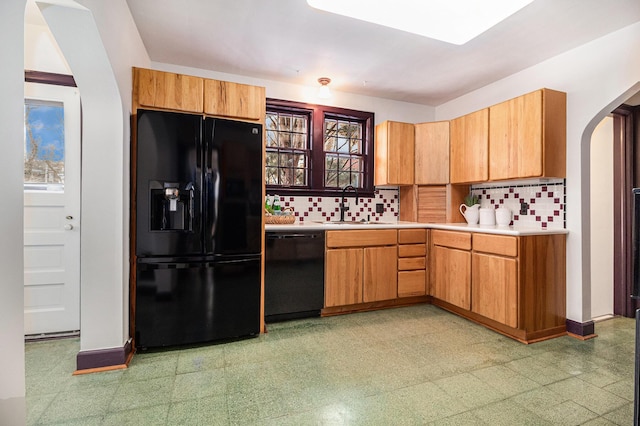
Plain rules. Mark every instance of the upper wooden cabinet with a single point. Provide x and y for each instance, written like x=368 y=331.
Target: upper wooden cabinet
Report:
x=394 y=153
x=226 y=99
x=167 y=90
x=527 y=136
x=432 y=153
x=469 y=148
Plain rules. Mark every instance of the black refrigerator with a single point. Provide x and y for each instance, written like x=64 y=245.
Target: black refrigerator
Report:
x=198 y=206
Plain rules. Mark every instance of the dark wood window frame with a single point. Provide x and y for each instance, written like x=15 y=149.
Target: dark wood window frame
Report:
x=317 y=115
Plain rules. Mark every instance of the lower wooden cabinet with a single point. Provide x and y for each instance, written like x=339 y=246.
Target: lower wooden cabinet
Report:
x=512 y=284
x=380 y=276
x=360 y=267
x=495 y=288
x=452 y=276
x=343 y=277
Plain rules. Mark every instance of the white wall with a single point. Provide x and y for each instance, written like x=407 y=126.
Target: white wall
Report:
x=602 y=219
x=384 y=109
x=597 y=76
x=12 y=382
x=100 y=44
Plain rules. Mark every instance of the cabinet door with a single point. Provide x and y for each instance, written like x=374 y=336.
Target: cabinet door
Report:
x=515 y=138
x=226 y=99
x=167 y=90
x=380 y=274
x=411 y=283
x=394 y=153
x=495 y=288
x=452 y=276
x=469 y=148
x=432 y=153
x=343 y=277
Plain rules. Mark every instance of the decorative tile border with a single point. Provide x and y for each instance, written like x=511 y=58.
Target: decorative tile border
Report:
x=307 y=209
x=545 y=202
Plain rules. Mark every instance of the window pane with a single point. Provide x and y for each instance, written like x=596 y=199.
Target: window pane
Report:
x=284 y=140
x=286 y=160
x=330 y=179
x=343 y=144
x=330 y=128
x=272 y=138
x=331 y=162
x=299 y=141
x=272 y=121
x=272 y=176
x=300 y=161
x=284 y=123
x=43 y=143
x=301 y=177
x=355 y=146
x=344 y=179
x=300 y=124
x=331 y=144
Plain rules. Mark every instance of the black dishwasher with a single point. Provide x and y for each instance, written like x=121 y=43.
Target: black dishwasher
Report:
x=294 y=275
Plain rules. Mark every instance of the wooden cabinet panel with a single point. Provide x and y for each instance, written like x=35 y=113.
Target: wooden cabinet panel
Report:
x=412 y=250
x=542 y=273
x=527 y=136
x=432 y=204
x=495 y=288
x=412 y=236
x=469 y=148
x=226 y=99
x=452 y=276
x=380 y=274
x=411 y=283
x=343 y=277
x=394 y=154
x=363 y=238
x=453 y=239
x=432 y=153
x=409 y=263
x=496 y=244
x=166 y=90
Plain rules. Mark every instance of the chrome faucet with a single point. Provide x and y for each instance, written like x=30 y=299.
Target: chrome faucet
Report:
x=343 y=207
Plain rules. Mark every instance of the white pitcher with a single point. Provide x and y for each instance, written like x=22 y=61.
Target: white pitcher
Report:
x=471 y=214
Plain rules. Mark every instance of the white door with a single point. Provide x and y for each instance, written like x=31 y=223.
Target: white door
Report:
x=52 y=209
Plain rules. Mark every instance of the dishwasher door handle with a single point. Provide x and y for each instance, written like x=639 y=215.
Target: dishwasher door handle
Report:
x=287 y=236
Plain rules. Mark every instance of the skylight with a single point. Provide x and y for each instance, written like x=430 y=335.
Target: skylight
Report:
x=452 y=21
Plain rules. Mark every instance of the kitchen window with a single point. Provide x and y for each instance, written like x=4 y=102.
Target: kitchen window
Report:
x=316 y=149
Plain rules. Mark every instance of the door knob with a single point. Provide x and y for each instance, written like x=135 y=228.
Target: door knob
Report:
x=68 y=227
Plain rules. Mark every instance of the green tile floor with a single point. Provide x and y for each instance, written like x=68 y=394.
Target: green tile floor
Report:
x=406 y=366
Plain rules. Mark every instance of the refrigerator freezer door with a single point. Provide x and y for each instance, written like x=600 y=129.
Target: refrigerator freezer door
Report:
x=191 y=303
x=233 y=187
x=168 y=184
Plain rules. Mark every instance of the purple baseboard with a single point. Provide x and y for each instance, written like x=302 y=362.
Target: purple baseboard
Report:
x=582 y=329
x=101 y=358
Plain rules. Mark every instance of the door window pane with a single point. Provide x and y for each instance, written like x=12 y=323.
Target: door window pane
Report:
x=43 y=145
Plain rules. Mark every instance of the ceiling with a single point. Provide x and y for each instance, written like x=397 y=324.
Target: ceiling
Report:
x=288 y=41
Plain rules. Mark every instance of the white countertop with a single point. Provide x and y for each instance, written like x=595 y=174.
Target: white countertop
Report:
x=487 y=229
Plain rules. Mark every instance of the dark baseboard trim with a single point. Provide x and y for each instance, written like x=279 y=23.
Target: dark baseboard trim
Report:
x=581 y=329
x=104 y=358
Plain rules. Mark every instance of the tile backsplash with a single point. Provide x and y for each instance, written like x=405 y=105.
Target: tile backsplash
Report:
x=545 y=201
x=314 y=208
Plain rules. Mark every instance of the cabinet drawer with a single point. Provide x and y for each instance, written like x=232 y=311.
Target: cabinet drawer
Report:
x=497 y=244
x=412 y=250
x=453 y=239
x=364 y=238
x=412 y=236
x=411 y=263
x=411 y=283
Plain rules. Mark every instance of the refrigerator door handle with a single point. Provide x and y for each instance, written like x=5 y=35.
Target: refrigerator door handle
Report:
x=216 y=194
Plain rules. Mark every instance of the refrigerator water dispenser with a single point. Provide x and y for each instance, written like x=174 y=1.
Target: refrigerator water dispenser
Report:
x=171 y=207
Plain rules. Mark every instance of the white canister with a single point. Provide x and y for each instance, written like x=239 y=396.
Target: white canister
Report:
x=487 y=216
x=503 y=216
